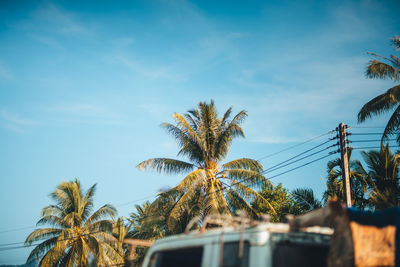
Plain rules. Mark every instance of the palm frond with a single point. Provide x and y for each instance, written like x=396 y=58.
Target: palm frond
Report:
x=53 y=221
x=192 y=178
x=165 y=165
x=52 y=210
x=393 y=124
x=103 y=226
x=380 y=104
x=252 y=195
x=247 y=177
x=41 y=249
x=244 y=163
x=106 y=211
x=40 y=234
x=305 y=197
x=87 y=203
x=237 y=202
x=381 y=70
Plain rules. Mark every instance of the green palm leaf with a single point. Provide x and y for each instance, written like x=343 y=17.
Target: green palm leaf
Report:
x=165 y=165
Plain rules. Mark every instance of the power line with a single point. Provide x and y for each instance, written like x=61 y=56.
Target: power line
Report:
x=17 y=229
x=305 y=164
x=366 y=134
x=365 y=141
x=368 y=127
x=290 y=163
x=296 y=145
x=300 y=154
x=373 y=147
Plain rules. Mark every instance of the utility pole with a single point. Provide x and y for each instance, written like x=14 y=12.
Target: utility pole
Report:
x=345 y=164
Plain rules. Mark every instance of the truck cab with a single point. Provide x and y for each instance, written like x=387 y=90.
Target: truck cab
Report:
x=265 y=244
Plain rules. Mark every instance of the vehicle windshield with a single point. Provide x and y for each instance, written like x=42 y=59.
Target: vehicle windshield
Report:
x=177 y=258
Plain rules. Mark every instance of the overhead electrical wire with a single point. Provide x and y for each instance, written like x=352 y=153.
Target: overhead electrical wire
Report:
x=373 y=147
x=365 y=141
x=290 y=163
x=302 y=153
x=296 y=145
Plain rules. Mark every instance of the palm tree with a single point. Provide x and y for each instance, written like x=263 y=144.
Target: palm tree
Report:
x=146 y=223
x=383 y=173
x=76 y=234
x=205 y=139
x=389 y=68
x=358 y=181
x=121 y=231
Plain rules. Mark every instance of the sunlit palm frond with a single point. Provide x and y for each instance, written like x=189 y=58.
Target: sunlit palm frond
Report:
x=87 y=203
x=247 y=177
x=237 y=203
x=53 y=221
x=165 y=165
x=251 y=195
x=105 y=211
x=381 y=70
x=192 y=178
x=244 y=163
x=41 y=234
x=41 y=249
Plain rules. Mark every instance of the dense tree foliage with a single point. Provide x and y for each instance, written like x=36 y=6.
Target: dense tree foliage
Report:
x=383 y=177
x=358 y=182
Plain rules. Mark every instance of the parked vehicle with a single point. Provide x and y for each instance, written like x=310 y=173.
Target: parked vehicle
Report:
x=240 y=242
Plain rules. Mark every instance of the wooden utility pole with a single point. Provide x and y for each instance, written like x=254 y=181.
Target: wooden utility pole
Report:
x=345 y=164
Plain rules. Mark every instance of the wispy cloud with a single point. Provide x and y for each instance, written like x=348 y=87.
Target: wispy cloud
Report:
x=15 y=122
x=146 y=70
x=48 y=41
x=63 y=20
x=49 y=18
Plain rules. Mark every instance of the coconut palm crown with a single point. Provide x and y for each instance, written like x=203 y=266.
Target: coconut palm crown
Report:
x=76 y=234
x=385 y=68
x=204 y=139
x=383 y=172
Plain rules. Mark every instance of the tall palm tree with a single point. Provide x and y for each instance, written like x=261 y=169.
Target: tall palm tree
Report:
x=205 y=139
x=358 y=181
x=388 y=68
x=383 y=171
x=76 y=234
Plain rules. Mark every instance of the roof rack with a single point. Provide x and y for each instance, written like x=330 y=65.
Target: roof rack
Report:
x=240 y=221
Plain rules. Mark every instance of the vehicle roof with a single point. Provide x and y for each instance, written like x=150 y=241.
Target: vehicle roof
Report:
x=256 y=235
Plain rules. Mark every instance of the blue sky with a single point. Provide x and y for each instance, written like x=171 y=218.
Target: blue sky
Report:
x=84 y=87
